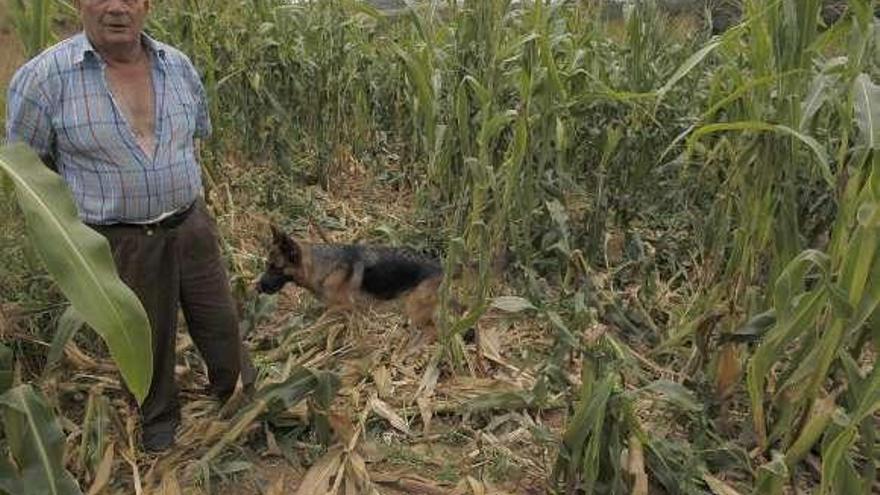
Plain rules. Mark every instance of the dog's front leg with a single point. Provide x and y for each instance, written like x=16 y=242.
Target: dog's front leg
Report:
x=355 y=281
x=340 y=287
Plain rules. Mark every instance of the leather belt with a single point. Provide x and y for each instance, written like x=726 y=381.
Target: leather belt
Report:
x=167 y=223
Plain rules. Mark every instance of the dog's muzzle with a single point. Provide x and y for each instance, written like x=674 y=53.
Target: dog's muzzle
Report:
x=271 y=283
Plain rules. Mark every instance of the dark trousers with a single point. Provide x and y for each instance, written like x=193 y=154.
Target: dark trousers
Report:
x=178 y=265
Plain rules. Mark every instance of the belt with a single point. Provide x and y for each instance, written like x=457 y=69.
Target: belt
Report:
x=167 y=223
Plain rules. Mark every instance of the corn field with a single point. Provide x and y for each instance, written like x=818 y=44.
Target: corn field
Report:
x=689 y=220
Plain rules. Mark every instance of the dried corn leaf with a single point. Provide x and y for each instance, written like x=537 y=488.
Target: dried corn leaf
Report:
x=636 y=466
x=429 y=380
x=131 y=456
x=410 y=484
x=317 y=479
x=170 y=486
x=277 y=488
x=105 y=469
x=477 y=487
x=358 y=478
x=718 y=487
x=490 y=345
x=382 y=379
x=426 y=411
x=386 y=412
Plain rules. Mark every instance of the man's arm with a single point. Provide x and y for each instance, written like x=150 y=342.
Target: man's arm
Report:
x=203 y=117
x=28 y=119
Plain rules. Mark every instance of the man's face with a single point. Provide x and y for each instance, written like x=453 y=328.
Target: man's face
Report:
x=111 y=23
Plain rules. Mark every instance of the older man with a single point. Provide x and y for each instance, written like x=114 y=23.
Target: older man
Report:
x=117 y=115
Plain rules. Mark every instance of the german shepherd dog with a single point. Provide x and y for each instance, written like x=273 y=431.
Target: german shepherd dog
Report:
x=341 y=274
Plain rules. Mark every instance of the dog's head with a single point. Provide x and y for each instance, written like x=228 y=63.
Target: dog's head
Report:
x=283 y=263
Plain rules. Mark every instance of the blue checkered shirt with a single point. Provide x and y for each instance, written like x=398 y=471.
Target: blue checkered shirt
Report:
x=60 y=104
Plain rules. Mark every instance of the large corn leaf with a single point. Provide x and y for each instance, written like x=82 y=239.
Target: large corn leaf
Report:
x=37 y=445
x=79 y=260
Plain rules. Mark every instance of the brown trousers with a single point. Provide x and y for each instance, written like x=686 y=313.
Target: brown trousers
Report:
x=180 y=266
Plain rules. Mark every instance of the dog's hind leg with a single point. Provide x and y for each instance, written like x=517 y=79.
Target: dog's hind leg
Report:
x=420 y=307
x=421 y=302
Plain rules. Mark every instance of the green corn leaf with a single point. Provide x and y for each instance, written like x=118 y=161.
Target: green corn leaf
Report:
x=803 y=314
x=818 y=95
x=676 y=394
x=483 y=94
x=757 y=126
x=866 y=98
x=495 y=125
x=36 y=443
x=772 y=476
x=744 y=89
x=687 y=66
x=10 y=482
x=820 y=418
x=579 y=455
x=753 y=329
x=68 y=324
x=870 y=301
x=791 y=281
x=79 y=260
x=836 y=465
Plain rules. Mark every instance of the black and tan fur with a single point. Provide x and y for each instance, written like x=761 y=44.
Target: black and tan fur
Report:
x=340 y=275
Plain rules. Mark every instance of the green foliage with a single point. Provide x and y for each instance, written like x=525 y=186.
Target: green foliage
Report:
x=33 y=22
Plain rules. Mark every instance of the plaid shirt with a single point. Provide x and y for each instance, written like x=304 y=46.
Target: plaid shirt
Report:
x=60 y=104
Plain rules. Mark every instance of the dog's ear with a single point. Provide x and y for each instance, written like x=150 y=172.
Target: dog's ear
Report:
x=288 y=246
x=277 y=234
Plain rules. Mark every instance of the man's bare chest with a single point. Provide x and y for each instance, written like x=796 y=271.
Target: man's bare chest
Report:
x=133 y=93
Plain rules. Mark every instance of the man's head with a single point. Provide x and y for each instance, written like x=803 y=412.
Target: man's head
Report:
x=113 y=24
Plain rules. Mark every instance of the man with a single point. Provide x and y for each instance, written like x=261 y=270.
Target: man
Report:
x=117 y=115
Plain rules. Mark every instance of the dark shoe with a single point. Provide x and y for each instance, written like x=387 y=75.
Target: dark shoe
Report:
x=158 y=437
